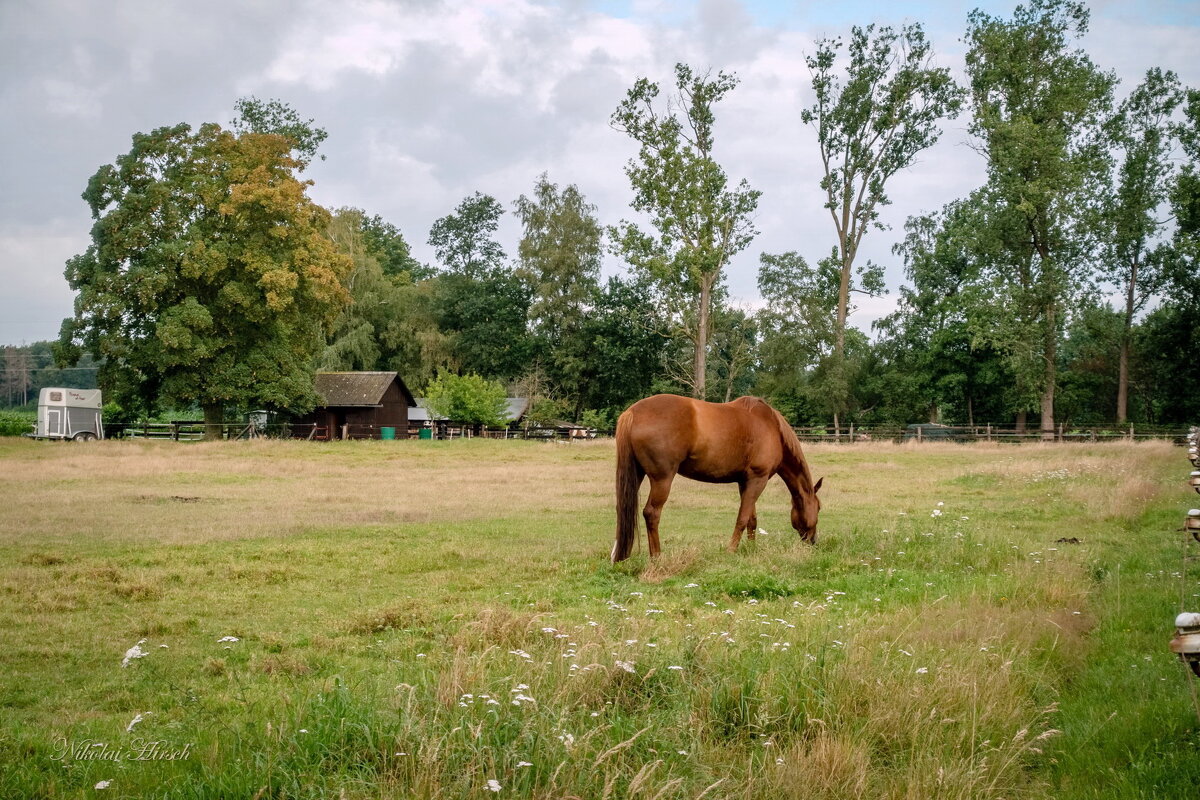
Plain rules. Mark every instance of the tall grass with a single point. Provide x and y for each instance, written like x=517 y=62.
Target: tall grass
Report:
x=416 y=619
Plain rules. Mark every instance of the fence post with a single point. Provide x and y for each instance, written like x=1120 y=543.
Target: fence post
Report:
x=851 y=433
x=919 y=429
x=1060 y=431
x=989 y=431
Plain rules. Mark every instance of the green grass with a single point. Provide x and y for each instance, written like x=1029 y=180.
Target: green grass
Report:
x=414 y=619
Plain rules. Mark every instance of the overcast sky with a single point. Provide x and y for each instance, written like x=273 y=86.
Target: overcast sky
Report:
x=427 y=102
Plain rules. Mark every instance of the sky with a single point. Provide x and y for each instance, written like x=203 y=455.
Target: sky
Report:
x=426 y=103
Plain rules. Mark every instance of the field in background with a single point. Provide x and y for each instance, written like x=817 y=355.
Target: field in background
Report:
x=399 y=619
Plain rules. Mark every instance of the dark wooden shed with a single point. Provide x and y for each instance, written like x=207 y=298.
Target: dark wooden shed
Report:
x=357 y=405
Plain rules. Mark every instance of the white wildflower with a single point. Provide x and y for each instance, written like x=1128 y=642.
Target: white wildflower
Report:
x=103 y=784
x=228 y=639
x=625 y=665
x=675 y=667
x=692 y=586
x=524 y=764
x=493 y=785
x=134 y=652
x=135 y=721
x=922 y=670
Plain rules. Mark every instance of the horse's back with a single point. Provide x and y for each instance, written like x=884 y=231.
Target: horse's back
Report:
x=702 y=440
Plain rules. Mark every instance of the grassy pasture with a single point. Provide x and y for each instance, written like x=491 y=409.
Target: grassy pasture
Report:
x=416 y=619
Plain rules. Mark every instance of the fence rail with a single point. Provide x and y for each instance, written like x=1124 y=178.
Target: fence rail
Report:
x=991 y=433
x=191 y=430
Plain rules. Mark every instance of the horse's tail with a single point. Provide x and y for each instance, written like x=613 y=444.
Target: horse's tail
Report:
x=629 y=478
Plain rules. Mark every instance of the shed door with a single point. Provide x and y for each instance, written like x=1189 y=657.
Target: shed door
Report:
x=54 y=422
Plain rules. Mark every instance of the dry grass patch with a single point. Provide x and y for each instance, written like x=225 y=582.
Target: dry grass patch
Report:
x=282 y=665
x=825 y=767
x=402 y=615
x=671 y=564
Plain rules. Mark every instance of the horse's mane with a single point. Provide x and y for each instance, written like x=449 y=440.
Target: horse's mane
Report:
x=791 y=447
x=793 y=454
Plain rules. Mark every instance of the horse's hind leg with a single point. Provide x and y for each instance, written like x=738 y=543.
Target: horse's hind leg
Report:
x=660 y=488
x=747 y=519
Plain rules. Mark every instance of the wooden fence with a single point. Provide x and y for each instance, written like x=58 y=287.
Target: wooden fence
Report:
x=191 y=430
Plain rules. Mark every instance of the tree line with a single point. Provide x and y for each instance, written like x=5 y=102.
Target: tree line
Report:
x=214 y=282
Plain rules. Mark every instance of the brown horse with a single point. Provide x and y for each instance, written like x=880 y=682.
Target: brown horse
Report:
x=743 y=442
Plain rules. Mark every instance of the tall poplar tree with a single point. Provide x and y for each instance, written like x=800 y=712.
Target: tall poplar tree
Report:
x=701 y=221
x=1131 y=220
x=870 y=125
x=1039 y=110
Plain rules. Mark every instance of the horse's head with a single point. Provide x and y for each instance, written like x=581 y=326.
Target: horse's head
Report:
x=805 y=506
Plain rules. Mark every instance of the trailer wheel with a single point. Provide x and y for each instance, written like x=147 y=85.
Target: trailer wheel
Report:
x=84 y=436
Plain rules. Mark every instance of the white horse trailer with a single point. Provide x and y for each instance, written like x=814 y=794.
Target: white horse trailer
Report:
x=69 y=414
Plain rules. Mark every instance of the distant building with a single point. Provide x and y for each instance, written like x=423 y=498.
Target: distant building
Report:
x=358 y=405
x=515 y=411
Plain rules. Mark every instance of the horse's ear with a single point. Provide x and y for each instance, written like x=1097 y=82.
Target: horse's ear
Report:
x=817 y=488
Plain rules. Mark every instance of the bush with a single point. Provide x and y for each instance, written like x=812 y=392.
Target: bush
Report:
x=468 y=398
x=16 y=423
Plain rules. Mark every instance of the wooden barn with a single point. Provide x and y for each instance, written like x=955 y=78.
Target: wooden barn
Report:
x=357 y=405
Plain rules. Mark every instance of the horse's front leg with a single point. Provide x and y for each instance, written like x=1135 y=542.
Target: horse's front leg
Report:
x=747 y=519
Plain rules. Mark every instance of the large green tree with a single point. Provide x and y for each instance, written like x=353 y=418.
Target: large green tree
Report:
x=624 y=333
x=870 y=125
x=932 y=340
x=1039 y=109
x=389 y=323
x=1131 y=209
x=210 y=280
x=797 y=327
x=464 y=241
x=559 y=258
x=480 y=304
x=700 y=220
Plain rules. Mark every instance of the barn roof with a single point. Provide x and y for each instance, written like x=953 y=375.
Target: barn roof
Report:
x=341 y=389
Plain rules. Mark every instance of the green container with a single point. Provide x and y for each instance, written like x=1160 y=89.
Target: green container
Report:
x=387 y=432
x=425 y=433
